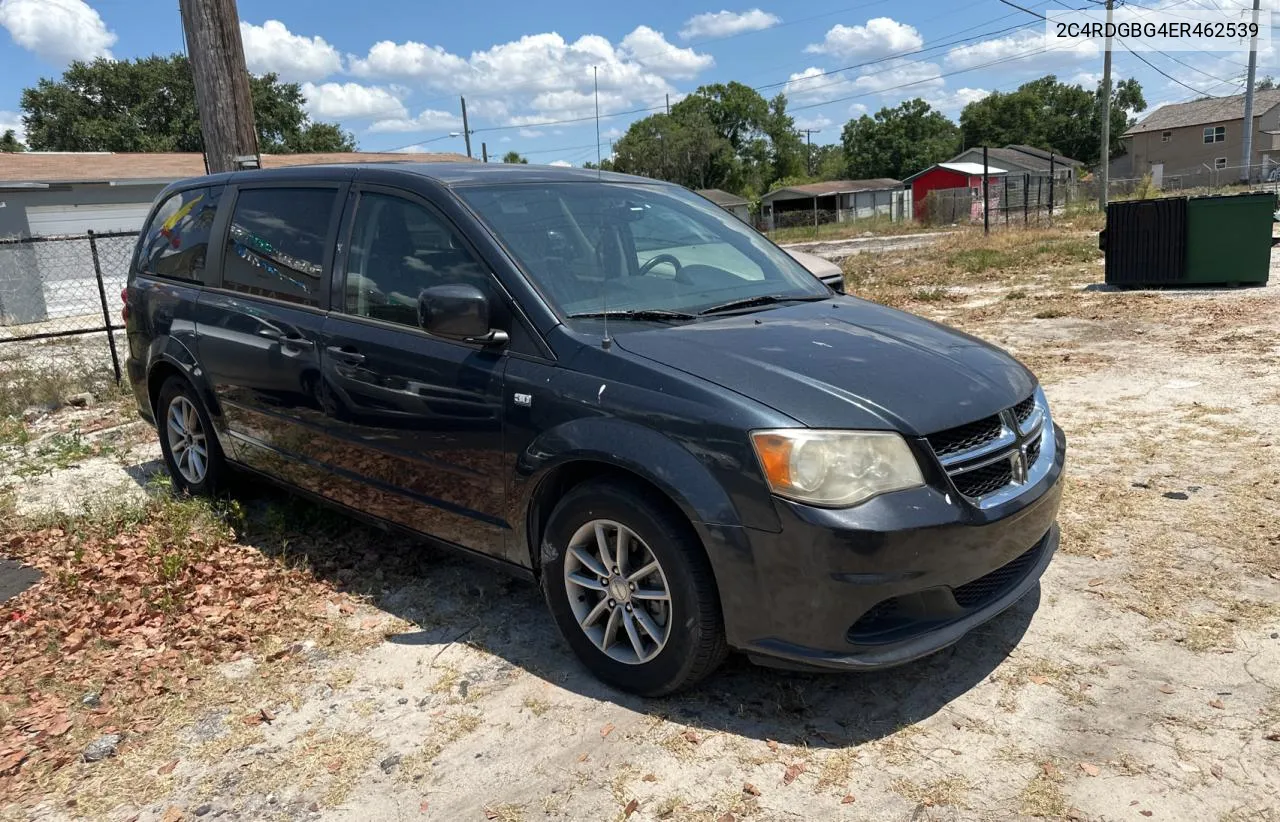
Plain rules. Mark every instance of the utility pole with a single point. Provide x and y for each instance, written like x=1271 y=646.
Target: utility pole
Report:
x=1247 y=163
x=668 y=105
x=466 y=129
x=808 y=139
x=216 y=54
x=484 y=151
x=1103 y=170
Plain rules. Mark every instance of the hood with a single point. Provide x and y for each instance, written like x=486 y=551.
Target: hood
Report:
x=844 y=363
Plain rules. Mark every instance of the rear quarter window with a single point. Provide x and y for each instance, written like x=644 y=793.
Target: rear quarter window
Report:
x=176 y=241
x=277 y=242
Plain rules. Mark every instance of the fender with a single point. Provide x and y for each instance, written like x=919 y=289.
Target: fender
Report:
x=169 y=350
x=666 y=464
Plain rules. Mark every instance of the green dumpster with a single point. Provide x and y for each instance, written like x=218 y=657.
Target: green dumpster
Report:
x=1229 y=238
x=1215 y=240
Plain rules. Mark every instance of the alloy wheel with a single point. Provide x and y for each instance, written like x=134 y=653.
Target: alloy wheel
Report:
x=618 y=591
x=187 y=441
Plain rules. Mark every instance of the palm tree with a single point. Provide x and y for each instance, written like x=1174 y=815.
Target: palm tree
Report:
x=513 y=157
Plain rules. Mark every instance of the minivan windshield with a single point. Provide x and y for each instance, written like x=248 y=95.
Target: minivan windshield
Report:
x=645 y=251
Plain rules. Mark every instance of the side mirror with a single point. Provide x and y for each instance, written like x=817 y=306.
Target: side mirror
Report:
x=835 y=283
x=457 y=312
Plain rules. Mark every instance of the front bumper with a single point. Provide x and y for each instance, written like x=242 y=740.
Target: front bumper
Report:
x=890 y=581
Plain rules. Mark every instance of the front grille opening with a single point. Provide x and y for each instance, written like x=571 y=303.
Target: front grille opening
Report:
x=883 y=617
x=985 y=480
x=902 y=617
x=1033 y=452
x=992 y=586
x=1023 y=409
x=964 y=437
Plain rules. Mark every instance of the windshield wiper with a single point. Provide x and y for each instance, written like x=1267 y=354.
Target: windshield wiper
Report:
x=763 y=299
x=634 y=314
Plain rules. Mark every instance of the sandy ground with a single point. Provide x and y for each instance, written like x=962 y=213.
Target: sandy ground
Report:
x=1141 y=681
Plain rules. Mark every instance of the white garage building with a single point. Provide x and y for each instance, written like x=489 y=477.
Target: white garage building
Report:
x=58 y=194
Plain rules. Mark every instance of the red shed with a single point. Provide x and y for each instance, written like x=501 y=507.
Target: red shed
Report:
x=950 y=176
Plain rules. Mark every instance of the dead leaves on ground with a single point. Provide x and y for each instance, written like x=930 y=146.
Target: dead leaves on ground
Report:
x=128 y=611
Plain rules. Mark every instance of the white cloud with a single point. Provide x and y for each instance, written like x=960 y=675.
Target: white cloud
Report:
x=1022 y=49
x=951 y=102
x=857 y=110
x=59 y=31
x=543 y=76
x=650 y=49
x=529 y=133
x=427 y=120
x=819 y=123
x=901 y=78
x=811 y=85
x=13 y=120
x=880 y=37
x=408 y=59
x=271 y=47
x=340 y=101
x=561 y=163
x=727 y=23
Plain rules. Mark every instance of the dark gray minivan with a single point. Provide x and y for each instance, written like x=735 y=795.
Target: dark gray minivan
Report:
x=610 y=385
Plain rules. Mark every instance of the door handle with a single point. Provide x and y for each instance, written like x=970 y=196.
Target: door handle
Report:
x=297 y=342
x=347 y=355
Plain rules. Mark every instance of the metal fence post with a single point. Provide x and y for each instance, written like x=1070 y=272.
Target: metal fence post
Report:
x=106 y=312
x=1053 y=172
x=1026 y=192
x=986 y=209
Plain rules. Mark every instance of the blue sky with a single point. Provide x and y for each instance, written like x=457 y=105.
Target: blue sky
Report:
x=392 y=71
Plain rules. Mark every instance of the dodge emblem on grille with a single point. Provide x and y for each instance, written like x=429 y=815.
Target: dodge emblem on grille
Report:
x=1018 y=459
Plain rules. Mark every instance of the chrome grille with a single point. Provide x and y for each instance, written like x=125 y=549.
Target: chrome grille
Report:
x=989 y=460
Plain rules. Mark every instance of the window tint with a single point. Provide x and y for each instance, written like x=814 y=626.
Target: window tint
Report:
x=276 y=244
x=399 y=248
x=176 y=242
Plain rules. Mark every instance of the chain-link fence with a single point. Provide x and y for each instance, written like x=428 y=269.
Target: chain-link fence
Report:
x=56 y=287
x=1013 y=200
x=1206 y=178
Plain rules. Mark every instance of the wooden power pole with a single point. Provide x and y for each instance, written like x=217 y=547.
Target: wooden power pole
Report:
x=1104 y=166
x=216 y=54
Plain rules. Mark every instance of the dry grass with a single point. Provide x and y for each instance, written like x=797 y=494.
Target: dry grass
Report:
x=949 y=792
x=836 y=769
x=1043 y=797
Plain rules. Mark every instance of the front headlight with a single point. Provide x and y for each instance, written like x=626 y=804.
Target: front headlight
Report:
x=835 y=468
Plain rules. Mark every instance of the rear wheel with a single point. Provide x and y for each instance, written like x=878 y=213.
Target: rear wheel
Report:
x=631 y=590
x=187 y=440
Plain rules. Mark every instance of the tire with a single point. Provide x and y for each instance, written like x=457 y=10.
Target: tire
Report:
x=177 y=396
x=689 y=621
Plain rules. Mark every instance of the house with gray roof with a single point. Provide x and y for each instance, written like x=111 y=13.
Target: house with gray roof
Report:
x=1194 y=143
x=834 y=201
x=1024 y=161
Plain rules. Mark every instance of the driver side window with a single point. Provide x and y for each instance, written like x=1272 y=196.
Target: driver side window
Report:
x=399 y=249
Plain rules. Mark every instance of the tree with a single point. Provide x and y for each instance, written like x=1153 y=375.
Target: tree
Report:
x=1054 y=116
x=724 y=135
x=514 y=157
x=1265 y=84
x=828 y=162
x=148 y=104
x=10 y=144
x=898 y=141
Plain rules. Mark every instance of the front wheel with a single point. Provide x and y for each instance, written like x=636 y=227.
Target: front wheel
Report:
x=631 y=589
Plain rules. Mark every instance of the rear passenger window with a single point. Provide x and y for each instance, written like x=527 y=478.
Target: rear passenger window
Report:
x=176 y=243
x=277 y=242
x=399 y=248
